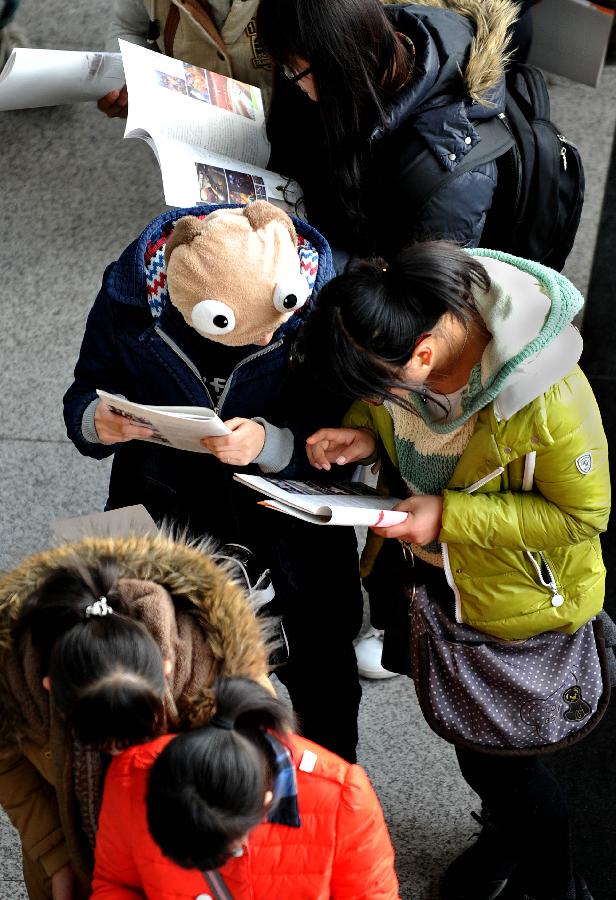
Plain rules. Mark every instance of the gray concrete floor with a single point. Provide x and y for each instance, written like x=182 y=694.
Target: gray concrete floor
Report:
x=73 y=195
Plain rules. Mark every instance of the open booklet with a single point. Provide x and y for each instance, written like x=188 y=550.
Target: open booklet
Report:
x=206 y=130
x=51 y=77
x=181 y=427
x=348 y=503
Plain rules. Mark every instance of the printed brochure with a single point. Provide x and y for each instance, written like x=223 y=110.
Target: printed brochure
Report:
x=348 y=503
x=181 y=427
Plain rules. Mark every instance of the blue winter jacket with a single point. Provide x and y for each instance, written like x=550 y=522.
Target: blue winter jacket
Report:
x=146 y=352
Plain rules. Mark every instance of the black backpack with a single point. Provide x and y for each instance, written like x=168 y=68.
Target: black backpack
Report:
x=538 y=200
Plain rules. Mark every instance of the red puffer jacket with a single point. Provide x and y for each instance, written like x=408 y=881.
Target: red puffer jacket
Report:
x=341 y=850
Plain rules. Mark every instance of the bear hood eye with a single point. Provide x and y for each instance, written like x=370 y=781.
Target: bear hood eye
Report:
x=291 y=294
x=213 y=317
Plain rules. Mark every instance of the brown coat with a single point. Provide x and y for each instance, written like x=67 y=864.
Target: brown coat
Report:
x=36 y=769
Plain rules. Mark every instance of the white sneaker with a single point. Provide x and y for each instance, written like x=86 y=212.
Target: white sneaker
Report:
x=368 y=651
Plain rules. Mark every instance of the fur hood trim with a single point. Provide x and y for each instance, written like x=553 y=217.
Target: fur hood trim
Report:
x=489 y=53
x=238 y=641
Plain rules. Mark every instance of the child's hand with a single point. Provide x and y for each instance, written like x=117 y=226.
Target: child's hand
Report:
x=112 y=428
x=114 y=104
x=240 y=447
x=423 y=523
x=340 y=446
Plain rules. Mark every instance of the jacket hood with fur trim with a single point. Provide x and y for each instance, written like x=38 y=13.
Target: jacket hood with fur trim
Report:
x=458 y=77
x=237 y=640
x=492 y=21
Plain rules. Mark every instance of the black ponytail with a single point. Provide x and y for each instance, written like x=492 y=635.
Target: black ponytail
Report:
x=207 y=788
x=368 y=320
x=106 y=671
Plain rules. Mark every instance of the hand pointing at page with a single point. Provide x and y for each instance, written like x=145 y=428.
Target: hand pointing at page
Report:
x=339 y=446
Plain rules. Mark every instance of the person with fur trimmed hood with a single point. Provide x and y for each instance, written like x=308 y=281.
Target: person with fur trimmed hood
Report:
x=105 y=643
x=362 y=89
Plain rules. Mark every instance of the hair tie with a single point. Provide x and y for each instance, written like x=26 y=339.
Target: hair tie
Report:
x=222 y=722
x=100 y=607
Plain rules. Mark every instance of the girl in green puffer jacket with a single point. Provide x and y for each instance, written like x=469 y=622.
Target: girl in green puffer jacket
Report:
x=466 y=366
x=489 y=421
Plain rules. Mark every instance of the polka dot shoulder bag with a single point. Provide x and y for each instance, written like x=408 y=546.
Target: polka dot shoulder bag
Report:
x=509 y=697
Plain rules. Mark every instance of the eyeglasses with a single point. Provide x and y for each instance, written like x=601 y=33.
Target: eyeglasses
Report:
x=293 y=77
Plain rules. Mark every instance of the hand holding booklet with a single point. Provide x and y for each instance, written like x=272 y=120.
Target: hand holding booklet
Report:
x=349 y=503
x=181 y=427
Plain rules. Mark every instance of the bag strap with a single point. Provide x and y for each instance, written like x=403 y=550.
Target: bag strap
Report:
x=216 y=885
x=425 y=176
x=527 y=85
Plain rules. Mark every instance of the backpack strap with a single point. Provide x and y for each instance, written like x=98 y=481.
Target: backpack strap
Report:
x=425 y=175
x=216 y=885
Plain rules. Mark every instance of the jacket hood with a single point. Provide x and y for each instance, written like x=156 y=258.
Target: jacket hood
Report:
x=140 y=272
x=491 y=22
x=528 y=311
x=459 y=72
x=237 y=640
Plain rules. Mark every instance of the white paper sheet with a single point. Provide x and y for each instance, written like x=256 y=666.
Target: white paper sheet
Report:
x=34 y=78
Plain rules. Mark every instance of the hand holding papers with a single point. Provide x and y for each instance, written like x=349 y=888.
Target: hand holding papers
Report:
x=181 y=427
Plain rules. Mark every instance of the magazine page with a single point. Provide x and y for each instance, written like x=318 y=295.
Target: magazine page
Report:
x=180 y=427
x=192 y=175
x=337 y=503
x=172 y=99
x=51 y=77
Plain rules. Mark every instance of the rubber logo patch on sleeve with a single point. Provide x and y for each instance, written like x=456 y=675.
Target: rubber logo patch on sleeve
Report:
x=584 y=463
x=308 y=761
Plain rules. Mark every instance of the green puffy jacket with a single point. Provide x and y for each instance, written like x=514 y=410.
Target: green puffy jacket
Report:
x=523 y=511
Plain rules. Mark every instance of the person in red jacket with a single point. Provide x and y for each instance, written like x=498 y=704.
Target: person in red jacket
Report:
x=241 y=808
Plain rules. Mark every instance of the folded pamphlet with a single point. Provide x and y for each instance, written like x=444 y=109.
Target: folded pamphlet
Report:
x=181 y=427
x=124 y=522
x=338 y=503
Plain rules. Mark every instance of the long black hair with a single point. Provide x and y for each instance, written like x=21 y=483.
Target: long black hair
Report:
x=357 y=61
x=106 y=671
x=207 y=788
x=368 y=320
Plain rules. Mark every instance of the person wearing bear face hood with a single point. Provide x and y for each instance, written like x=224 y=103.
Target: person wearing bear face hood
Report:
x=204 y=312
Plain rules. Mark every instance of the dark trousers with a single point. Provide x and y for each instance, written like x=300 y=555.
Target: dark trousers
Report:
x=314 y=570
x=527 y=806
x=318 y=594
